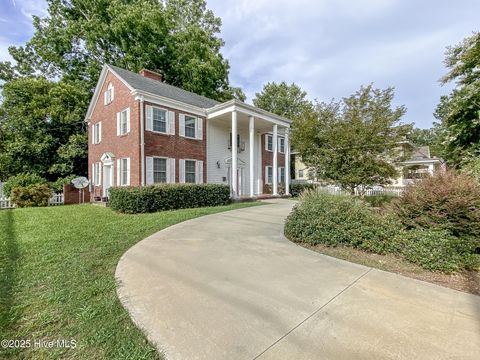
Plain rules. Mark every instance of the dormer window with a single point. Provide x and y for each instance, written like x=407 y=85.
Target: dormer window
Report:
x=109 y=93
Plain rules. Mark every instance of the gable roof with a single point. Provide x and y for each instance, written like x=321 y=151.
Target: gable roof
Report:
x=140 y=82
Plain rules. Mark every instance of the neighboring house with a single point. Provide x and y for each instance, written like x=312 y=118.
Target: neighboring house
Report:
x=300 y=171
x=143 y=131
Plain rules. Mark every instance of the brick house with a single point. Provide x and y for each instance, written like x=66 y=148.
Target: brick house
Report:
x=143 y=131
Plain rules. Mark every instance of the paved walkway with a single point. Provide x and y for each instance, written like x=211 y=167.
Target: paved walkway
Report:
x=229 y=286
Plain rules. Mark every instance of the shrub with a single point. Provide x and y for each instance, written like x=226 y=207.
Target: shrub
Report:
x=437 y=250
x=297 y=188
x=132 y=200
x=447 y=201
x=57 y=186
x=322 y=218
x=31 y=195
x=379 y=200
x=21 y=180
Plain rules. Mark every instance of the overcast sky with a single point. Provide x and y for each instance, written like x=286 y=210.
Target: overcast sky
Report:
x=328 y=47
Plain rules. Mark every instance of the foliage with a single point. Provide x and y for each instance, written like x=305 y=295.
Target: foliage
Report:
x=438 y=250
x=296 y=189
x=42 y=128
x=459 y=112
x=31 y=195
x=352 y=142
x=471 y=167
x=57 y=186
x=433 y=138
x=379 y=200
x=21 y=180
x=178 y=38
x=282 y=99
x=322 y=218
x=57 y=277
x=448 y=201
x=133 y=200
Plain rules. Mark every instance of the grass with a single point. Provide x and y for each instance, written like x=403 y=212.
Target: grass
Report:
x=57 y=267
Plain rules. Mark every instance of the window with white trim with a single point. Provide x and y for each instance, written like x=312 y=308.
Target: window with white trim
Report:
x=123 y=122
x=190 y=171
x=269 y=174
x=281 y=145
x=269 y=142
x=159 y=120
x=124 y=172
x=109 y=94
x=159 y=170
x=97 y=133
x=281 y=175
x=190 y=126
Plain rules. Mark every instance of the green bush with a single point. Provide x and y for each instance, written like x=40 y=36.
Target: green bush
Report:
x=379 y=200
x=447 y=201
x=297 y=188
x=437 y=250
x=31 y=195
x=132 y=200
x=21 y=180
x=57 y=186
x=322 y=218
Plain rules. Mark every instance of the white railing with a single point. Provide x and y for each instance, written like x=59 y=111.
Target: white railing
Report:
x=376 y=190
x=56 y=199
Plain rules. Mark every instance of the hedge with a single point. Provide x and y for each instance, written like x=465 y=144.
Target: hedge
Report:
x=152 y=198
x=297 y=188
x=31 y=195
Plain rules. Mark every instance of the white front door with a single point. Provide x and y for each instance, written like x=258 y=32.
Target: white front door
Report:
x=107 y=179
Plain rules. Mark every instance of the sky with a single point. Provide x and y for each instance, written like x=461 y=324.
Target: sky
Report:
x=327 y=47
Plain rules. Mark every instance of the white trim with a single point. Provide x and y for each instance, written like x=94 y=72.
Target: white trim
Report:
x=280 y=138
x=199 y=128
x=266 y=175
x=171 y=167
x=142 y=142
x=181 y=174
x=163 y=101
x=149 y=170
x=171 y=122
x=198 y=171
x=181 y=125
x=266 y=142
x=149 y=126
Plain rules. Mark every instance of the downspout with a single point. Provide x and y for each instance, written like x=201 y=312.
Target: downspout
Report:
x=142 y=141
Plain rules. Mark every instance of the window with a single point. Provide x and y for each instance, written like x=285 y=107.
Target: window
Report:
x=269 y=174
x=123 y=122
x=124 y=171
x=281 y=175
x=159 y=170
x=190 y=124
x=281 y=145
x=300 y=173
x=97 y=133
x=190 y=176
x=159 y=119
x=269 y=142
x=109 y=94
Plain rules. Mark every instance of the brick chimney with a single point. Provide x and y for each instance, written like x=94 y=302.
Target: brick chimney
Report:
x=151 y=74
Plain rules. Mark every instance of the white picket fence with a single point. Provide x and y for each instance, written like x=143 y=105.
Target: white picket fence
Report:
x=56 y=199
x=376 y=190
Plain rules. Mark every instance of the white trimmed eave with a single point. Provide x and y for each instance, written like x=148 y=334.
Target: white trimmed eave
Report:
x=96 y=93
x=421 y=162
x=163 y=101
x=236 y=105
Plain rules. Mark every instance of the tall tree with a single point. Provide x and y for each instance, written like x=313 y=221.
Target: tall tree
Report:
x=459 y=112
x=432 y=137
x=282 y=99
x=353 y=142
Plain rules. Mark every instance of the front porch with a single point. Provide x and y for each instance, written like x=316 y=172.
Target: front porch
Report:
x=248 y=148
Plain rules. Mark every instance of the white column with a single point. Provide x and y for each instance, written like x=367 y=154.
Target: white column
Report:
x=234 y=155
x=431 y=169
x=275 y=161
x=251 y=143
x=287 y=163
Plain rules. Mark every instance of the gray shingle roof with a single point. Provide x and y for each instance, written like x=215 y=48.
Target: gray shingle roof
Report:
x=143 y=83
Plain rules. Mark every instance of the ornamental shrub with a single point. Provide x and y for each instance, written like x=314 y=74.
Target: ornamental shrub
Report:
x=297 y=188
x=31 y=195
x=379 y=200
x=152 y=198
x=322 y=218
x=447 y=201
x=21 y=180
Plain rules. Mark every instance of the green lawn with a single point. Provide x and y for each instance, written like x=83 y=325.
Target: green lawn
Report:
x=57 y=267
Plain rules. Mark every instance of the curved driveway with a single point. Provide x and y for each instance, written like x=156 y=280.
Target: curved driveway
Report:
x=230 y=286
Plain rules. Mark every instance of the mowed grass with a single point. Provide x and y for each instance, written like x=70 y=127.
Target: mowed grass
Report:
x=57 y=267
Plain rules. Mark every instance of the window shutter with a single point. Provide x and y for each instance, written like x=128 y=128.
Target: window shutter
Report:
x=199 y=172
x=99 y=164
x=266 y=174
x=171 y=123
x=118 y=124
x=112 y=93
x=128 y=172
x=149 y=111
x=105 y=98
x=171 y=168
x=149 y=168
x=181 y=126
x=100 y=131
x=182 y=171
x=199 y=131
x=266 y=142
x=119 y=165
x=93 y=133
x=92 y=179
x=128 y=120
x=279 y=175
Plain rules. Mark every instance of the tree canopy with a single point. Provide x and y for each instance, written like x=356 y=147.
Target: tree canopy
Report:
x=282 y=99
x=352 y=142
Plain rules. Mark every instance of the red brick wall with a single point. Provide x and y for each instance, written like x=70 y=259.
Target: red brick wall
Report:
x=267 y=160
x=71 y=195
x=176 y=146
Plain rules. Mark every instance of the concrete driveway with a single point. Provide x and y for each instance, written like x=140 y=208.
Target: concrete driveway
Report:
x=230 y=286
